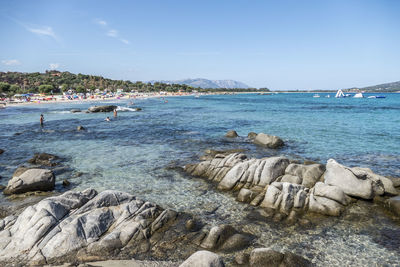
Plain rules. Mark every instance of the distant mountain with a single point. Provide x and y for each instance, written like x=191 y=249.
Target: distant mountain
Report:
x=385 y=87
x=205 y=83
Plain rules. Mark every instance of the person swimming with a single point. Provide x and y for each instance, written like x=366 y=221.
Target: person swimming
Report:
x=107 y=119
x=41 y=120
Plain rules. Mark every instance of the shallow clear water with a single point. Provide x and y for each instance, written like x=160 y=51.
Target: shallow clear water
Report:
x=133 y=153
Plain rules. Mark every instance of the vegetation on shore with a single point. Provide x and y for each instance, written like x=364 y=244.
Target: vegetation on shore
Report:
x=57 y=82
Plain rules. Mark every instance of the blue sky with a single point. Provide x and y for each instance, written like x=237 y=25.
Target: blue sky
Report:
x=278 y=44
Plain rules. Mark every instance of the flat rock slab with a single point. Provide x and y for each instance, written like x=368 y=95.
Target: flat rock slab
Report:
x=31 y=180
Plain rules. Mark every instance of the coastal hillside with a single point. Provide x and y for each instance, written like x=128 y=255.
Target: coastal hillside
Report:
x=384 y=87
x=205 y=83
x=57 y=82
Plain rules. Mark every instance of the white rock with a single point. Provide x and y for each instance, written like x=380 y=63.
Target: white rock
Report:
x=203 y=258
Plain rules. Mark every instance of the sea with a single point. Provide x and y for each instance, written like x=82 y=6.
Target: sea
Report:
x=143 y=152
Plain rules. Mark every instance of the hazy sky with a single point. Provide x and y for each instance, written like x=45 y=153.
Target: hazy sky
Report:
x=296 y=44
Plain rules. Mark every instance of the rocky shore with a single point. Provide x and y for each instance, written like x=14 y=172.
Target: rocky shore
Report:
x=113 y=228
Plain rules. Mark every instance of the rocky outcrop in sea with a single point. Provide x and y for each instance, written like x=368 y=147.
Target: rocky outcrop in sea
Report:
x=291 y=188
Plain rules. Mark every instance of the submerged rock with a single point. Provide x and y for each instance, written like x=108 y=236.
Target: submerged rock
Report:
x=75 y=110
x=30 y=180
x=1 y=151
x=231 y=134
x=107 y=108
x=80 y=128
x=394 y=204
x=45 y=159
x=269 y=141
x=226 y=238
x=263 y=257
x=203 y=258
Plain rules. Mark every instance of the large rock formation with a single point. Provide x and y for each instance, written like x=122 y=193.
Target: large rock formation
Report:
x=87 y=226
x=107 y=108
x=25 y=180
x=275 y=184
x=270 y=141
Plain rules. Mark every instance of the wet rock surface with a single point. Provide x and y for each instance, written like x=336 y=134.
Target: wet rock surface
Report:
x=106 y=108
x=263 y=257
x=231 y=134
x=269 y=141
x=44 y=159
x=203 y=258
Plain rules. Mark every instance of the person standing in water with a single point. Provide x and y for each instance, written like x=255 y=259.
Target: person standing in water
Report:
x=41 y=120
x=115 y=113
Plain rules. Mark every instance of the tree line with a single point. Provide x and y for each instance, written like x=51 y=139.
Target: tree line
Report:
x=57 y=82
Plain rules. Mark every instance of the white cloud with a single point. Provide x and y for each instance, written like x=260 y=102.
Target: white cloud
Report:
x=54 y=66
x=43 y=31
x=101 y=22
x=125 y=41
x=11 y=62
x=112 y=33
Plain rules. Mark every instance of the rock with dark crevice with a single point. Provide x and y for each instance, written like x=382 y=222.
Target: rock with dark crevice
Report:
x=231 y=134
x=44 y=159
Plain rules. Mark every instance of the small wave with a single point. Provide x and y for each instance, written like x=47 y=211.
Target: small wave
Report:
x=125 y=109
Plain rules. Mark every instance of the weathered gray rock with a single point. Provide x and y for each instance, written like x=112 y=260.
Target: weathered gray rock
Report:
x=288 y=178
x=45 y=159
x=269 y=141
x=308 y=174
x=357 y=182
x=246 y=195
x=107 y=108
x=231 y=134
x=254 y=172
x=31 y=180
x=324 y=205
x=203 y=258
x=80 y=224
x=330 y=191
x=284 y=197
x=264 y=257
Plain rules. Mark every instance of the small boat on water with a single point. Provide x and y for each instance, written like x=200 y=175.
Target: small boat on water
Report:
x=316 y=95
x=377 y=96
x=359 y=95
x=328 y=96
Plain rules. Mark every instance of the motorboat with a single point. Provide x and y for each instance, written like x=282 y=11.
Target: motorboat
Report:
x=377 y=96
x=316 y=96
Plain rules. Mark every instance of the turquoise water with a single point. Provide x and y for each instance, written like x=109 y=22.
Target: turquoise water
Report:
x=135 y=151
